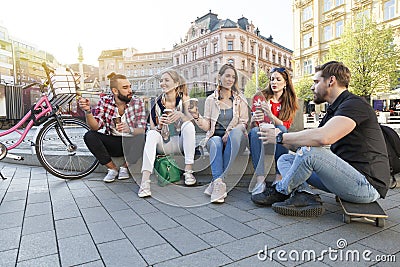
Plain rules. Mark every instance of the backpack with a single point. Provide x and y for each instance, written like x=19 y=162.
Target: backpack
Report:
x=392 y=141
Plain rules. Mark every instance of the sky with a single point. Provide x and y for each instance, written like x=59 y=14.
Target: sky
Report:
x=59 y=27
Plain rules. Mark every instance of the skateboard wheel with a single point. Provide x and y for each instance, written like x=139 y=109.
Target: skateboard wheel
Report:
x=346 y=218
x=380 y=222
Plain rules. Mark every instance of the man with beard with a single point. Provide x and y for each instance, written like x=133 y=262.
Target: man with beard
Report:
x=356 y=168
x=122 y=116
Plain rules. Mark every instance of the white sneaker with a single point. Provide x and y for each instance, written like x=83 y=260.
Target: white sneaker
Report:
x=189 y=177
x=144 y=190
x=209 y=189
x=111 y=175
x=123 y=173
x=218 y=194
x=258 y=188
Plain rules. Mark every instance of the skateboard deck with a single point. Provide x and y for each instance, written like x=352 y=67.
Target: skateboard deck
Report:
x=369 y=212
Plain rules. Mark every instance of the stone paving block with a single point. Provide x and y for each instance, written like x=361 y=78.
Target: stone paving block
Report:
x=216 y=238
x=237 y=214
x=12 y=219
x=159 y=253
x=96 y=214
x=159 y=221
x=380 y=241
x=121 y=186
x=104 y=194
x=143 y=236
x=128 y=196
x=183 y=240
x=125 y=218
x=35 y=209
x=9 y=238
x=70 y=227
x=114 y=204
x=171 y=211
x=84 y=192
x=268 y=214
x=194 y=224
x=87 y=202
x=8 y=258
x=205 y=212
x=77 y=250
x=105 y=231
x=97 y=263
x=248 y=246
x=15 y=195
x=209 y=257
x=70 y=211
x=120 y=253
x=262 y=225
x=37 y=245
x=293 y=232
x=46 y=261
x=37 y=224
x=232 y=227
x=38 y=197
x=141 y=206
x=12 y=206
x=76 y=184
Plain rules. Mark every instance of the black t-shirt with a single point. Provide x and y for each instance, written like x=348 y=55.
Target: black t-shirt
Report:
x=363 y=148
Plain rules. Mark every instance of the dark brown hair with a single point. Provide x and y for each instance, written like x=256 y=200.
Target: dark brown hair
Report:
x=114 y=77
x=337 y=69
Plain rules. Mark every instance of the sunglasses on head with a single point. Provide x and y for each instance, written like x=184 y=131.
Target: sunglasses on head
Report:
x=277 y=69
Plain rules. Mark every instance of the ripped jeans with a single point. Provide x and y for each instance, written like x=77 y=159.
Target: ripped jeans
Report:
x=324 y=170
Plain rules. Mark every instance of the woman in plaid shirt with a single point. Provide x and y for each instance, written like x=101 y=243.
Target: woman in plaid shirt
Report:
x=120 y=115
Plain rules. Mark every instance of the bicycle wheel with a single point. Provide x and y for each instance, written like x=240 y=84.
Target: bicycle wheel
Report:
x=62 y=151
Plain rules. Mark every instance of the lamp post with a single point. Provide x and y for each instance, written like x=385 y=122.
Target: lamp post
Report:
x=257 y=33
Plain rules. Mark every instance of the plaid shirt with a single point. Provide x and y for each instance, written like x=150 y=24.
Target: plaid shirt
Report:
x=106 y=110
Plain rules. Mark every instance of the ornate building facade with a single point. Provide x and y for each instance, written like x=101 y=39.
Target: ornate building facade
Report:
x=319 y=23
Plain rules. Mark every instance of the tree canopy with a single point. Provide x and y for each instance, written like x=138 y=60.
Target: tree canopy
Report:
x=303 y=88
x=367 y=49
x=250 y=88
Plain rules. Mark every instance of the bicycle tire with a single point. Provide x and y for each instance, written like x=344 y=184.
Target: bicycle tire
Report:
x=59 y=158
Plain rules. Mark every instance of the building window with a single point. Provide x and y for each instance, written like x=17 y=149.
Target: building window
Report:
x=339 y=2
x=307 y=40
x=215 y=48
x=185 y=60
x=177 y=61
x=230 y=45
x=339 y=28
x=151 y=85
x=284 y=62
x=243 y=64
x=388 y=10
x=242 y=46
x=194 y=72
x=186 y=74
x=327 y=33
x=135 y=73
x=194 y=55
x=142 y=72
x=150 y=71
x=273 y=58
x=204 y=51
x=215 y=66
x=279 y=60
x=252 y=50
x=231 y=61
x=120 y=66
x=205 y=69
x=327 y=5
x=307 y=13
x=308 y=67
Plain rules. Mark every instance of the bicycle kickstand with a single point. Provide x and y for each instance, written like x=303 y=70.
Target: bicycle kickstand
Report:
x=2 y=177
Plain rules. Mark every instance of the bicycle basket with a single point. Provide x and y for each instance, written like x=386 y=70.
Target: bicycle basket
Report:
x=64 y=87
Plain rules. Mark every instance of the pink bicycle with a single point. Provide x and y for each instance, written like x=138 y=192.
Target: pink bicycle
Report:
x=59 y=143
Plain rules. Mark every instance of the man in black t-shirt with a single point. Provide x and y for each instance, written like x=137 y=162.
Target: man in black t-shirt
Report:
x=356 y=168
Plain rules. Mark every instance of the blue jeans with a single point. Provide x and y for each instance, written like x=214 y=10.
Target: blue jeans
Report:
x=324 y=170
x=257 y=150
x=221 y=157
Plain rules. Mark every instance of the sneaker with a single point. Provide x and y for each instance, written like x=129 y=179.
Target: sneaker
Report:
x=300 y=204
x=123 y=173
x=111 y=175
x=144 y=190
x=209 y=189
x=189 y=177
x=218 y=194
x=269 y=196
x=258 y=188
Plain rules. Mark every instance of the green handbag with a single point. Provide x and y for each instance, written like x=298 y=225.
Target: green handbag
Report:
x=167 y=170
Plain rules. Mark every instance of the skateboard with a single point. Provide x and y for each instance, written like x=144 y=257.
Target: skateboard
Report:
x=369 y=212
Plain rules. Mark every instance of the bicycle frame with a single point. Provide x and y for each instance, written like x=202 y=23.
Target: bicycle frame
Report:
x=46 y=108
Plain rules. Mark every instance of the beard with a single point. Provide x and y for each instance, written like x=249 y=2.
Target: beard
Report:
x=318 y=99
x=125 y=98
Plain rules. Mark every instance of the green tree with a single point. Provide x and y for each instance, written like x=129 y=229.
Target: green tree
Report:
x=196 y=92
x=303 y=88
x=368 y=50
x=250 y=88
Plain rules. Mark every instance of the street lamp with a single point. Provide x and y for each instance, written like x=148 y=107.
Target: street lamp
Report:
x=257 y=33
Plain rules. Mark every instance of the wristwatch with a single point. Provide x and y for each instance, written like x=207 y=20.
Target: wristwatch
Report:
x=279 y=138
x=87 y=112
